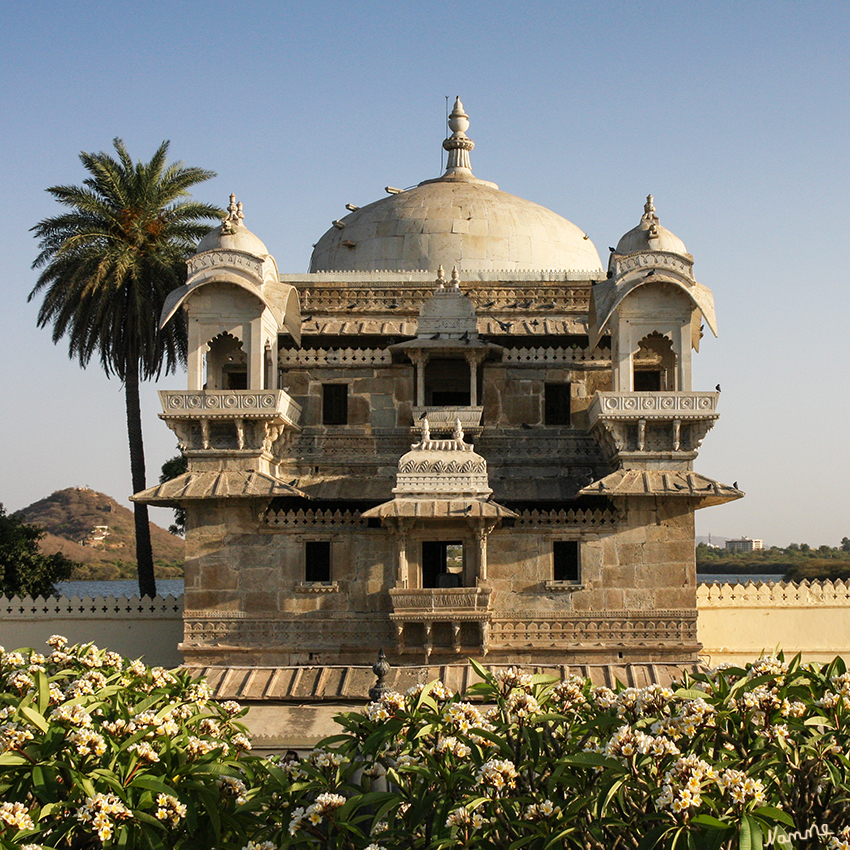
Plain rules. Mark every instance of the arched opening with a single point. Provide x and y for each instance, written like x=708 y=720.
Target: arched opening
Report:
x=655 y=364
x=227 y=364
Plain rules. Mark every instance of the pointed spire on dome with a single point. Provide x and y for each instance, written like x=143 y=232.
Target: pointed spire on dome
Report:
x=441 y=277
x=455 y=278
x=458 y=144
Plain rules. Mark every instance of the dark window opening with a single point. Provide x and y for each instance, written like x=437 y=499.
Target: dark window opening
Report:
x=447 y=383
x=447 y=398
x=442 y=563
x=317 y=560
x=334 y=404
x=235 y=380
x=565 y=562
x=556 y=399
x=647 y=381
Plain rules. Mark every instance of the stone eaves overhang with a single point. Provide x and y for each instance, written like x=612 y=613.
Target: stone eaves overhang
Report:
x=667 y=483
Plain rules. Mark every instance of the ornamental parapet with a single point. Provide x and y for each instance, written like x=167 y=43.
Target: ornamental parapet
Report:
x=655 y=405
x=456 y=603
x=229 y=404
x=444 y=418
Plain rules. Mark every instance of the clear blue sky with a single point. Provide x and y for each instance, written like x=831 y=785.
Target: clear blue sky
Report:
x=733 y=114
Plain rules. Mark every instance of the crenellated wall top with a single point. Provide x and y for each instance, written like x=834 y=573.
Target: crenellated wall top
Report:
x=805 y=594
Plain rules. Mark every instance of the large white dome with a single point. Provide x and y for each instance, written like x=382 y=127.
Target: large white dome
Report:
x=456 y=220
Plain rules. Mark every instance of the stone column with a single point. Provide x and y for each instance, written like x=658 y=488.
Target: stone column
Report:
x=474 y=359
x=420 y=358
x=256 y=355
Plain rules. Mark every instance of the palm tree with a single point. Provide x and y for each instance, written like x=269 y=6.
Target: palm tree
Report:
x=108 y=263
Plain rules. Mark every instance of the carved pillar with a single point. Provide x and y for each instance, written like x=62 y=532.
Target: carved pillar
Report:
x=205 y=433
x=677 y=434
x=420 y=358
x=474 y=359
x=256 y=356
x=641 y=435
x=402 y=527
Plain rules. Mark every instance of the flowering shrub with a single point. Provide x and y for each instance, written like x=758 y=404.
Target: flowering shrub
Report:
x=740 y=758
x=97 y=751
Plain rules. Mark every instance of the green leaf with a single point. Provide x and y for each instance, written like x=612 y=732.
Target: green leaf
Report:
x=35 y=717
x=710 y=820
x=774 y=814
x=750 y=837
x=152 y=784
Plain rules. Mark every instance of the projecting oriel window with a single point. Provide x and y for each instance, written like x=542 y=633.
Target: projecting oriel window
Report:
x=556 y=403
x=334 y=404
x=565 y=561
x=317 y=560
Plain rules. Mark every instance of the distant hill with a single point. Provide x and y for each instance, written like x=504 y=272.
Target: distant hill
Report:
x=96 y=532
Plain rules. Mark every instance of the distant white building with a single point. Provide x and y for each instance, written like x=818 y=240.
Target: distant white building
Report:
x=744 y=544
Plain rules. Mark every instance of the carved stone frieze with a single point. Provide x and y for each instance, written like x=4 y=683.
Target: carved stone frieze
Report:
x=210 y=259
x=210 y=629
x=656 y=627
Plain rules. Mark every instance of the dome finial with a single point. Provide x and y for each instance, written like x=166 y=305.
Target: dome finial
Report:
x=441 y=277
x=234 y=215
x=458 y=144
x=650 y=217
x=455 y=278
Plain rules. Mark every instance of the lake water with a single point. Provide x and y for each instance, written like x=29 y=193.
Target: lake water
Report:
x=174 y=586
x=125 y=587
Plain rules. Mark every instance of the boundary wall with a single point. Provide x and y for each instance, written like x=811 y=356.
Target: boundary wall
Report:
x=737 y=622
x=149 y=629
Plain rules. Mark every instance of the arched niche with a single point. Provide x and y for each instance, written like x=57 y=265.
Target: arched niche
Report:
x=226 y=363
x=654 y=364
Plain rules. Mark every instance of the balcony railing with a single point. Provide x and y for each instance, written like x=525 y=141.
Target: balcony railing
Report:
x=229 y=404
x=444 y=418
x=653 y=405
x=446 y=604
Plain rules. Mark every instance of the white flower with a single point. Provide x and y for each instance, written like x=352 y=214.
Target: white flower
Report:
x=497 y=773
x=16 y=815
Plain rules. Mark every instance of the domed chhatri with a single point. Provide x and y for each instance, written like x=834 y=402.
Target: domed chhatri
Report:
x=649 y=235
x=232 y=235
x=455 y=219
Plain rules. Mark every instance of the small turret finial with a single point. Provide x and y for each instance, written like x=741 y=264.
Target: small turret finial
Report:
x=458 y=144
x=455 y=278
x=441 y=277
x=234 y=215
x=650 y=217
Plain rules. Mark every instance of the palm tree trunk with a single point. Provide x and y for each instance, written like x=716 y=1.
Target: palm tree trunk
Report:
x=144 y=555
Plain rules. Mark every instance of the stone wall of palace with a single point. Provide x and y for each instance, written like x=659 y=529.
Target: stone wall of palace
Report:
x=736 y=622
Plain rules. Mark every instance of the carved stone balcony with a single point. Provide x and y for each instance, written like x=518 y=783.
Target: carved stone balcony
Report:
x=229 y=420
x=444 y=418
x=638 y=426
x=433 y=609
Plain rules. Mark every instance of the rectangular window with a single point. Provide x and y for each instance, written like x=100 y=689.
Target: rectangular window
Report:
x=556 y=402
x=317 y=560
x=565 y=560
x=334 y=404
x=442 y=563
